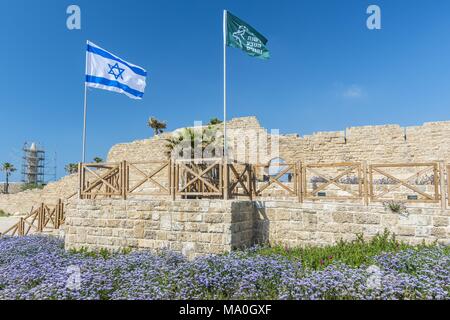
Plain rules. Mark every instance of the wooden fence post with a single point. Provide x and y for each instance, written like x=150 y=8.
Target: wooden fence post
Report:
x=366 y=184
x=173 y=173
x=123 y=179
x=299 y=181
x=225 y=179
x=59 y=212
x=21 y=227
x=41 y=217
x=444 y=190
x=80 y=168
x=249 y=181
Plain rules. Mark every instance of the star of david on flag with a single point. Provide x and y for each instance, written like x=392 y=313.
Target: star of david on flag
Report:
x=107 y=71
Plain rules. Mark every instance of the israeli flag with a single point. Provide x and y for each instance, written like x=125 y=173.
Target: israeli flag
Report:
x=109 y=72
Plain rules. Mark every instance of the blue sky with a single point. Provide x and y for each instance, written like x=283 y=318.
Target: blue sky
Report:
x=327 y=70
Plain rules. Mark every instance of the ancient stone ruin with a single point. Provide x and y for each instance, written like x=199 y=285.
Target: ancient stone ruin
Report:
x=306 y=190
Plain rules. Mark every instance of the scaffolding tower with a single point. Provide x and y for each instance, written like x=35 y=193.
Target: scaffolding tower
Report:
x=33 y=165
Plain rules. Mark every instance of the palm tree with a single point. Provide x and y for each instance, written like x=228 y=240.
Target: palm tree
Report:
x=98 y=160
x=191 y=138
x=8 y=168
x=157 y=126
x=193 y=142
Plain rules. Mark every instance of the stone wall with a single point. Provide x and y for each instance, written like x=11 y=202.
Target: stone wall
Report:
x=22 y=202
x=296 y=224
x=385 y=144
x=198 y=227
x=375 y=144
x=194 y=227
x=14 y=187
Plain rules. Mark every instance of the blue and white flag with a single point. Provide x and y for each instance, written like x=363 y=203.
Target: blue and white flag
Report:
x=109 y=72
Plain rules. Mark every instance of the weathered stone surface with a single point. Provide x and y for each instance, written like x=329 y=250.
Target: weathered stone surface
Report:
x=176 y=224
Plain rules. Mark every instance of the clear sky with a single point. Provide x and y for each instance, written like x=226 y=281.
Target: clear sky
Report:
x=327 y=70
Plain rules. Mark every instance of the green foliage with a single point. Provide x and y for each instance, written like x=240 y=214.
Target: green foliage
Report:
x=157 y=126
x=7 y=167
x=101 y=253
x=353 y=253
x=214 y=121
x=204 y=140
x=31 y=186
x=71 y=168
x=395 y=206
x=98 y=160
x=3 y=213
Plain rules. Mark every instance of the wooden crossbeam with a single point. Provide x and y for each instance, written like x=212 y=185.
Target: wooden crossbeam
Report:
x=275 y=180
x=198 y=177
x=334 y=180
x=102 y=179
x=148 y=177
x=401 y=182
x=239 y=179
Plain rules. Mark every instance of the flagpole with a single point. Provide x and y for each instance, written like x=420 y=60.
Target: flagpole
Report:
x=83 y=157
x=225 y=84
x=225 y=147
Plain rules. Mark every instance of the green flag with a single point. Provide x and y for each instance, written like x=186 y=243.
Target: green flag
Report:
x=240 y=34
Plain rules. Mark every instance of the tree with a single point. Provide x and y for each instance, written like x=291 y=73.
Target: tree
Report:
x=188 y=139
x=98 y=160
x=8 y=168
x=71 y=168
x=214 y=121
x=157 y=126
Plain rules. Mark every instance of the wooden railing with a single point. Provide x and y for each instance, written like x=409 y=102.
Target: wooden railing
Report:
x=44 y=218
x=424 y=174
x=289 y=172
x=333 y=181
x=241 y=180
x=213 y=178
x=199 y=179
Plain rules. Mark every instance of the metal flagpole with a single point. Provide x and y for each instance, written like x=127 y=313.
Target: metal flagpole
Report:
x=83 y=157
x=225 y=147
x=225 y=83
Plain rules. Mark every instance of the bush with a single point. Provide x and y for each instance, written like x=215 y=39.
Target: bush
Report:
x=395 y=206
x=352 y=253
x=31 y=186
x=3 y=213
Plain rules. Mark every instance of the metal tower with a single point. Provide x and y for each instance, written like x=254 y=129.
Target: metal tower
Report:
x=33 y=166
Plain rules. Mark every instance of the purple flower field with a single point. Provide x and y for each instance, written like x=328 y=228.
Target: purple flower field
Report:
x=37 y=267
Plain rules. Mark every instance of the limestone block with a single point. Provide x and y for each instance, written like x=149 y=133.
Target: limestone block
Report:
x=440 y=221
x=342 y=217
x=366 y=218
x=406 y=231
x=439 y=232
x=166 y=222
